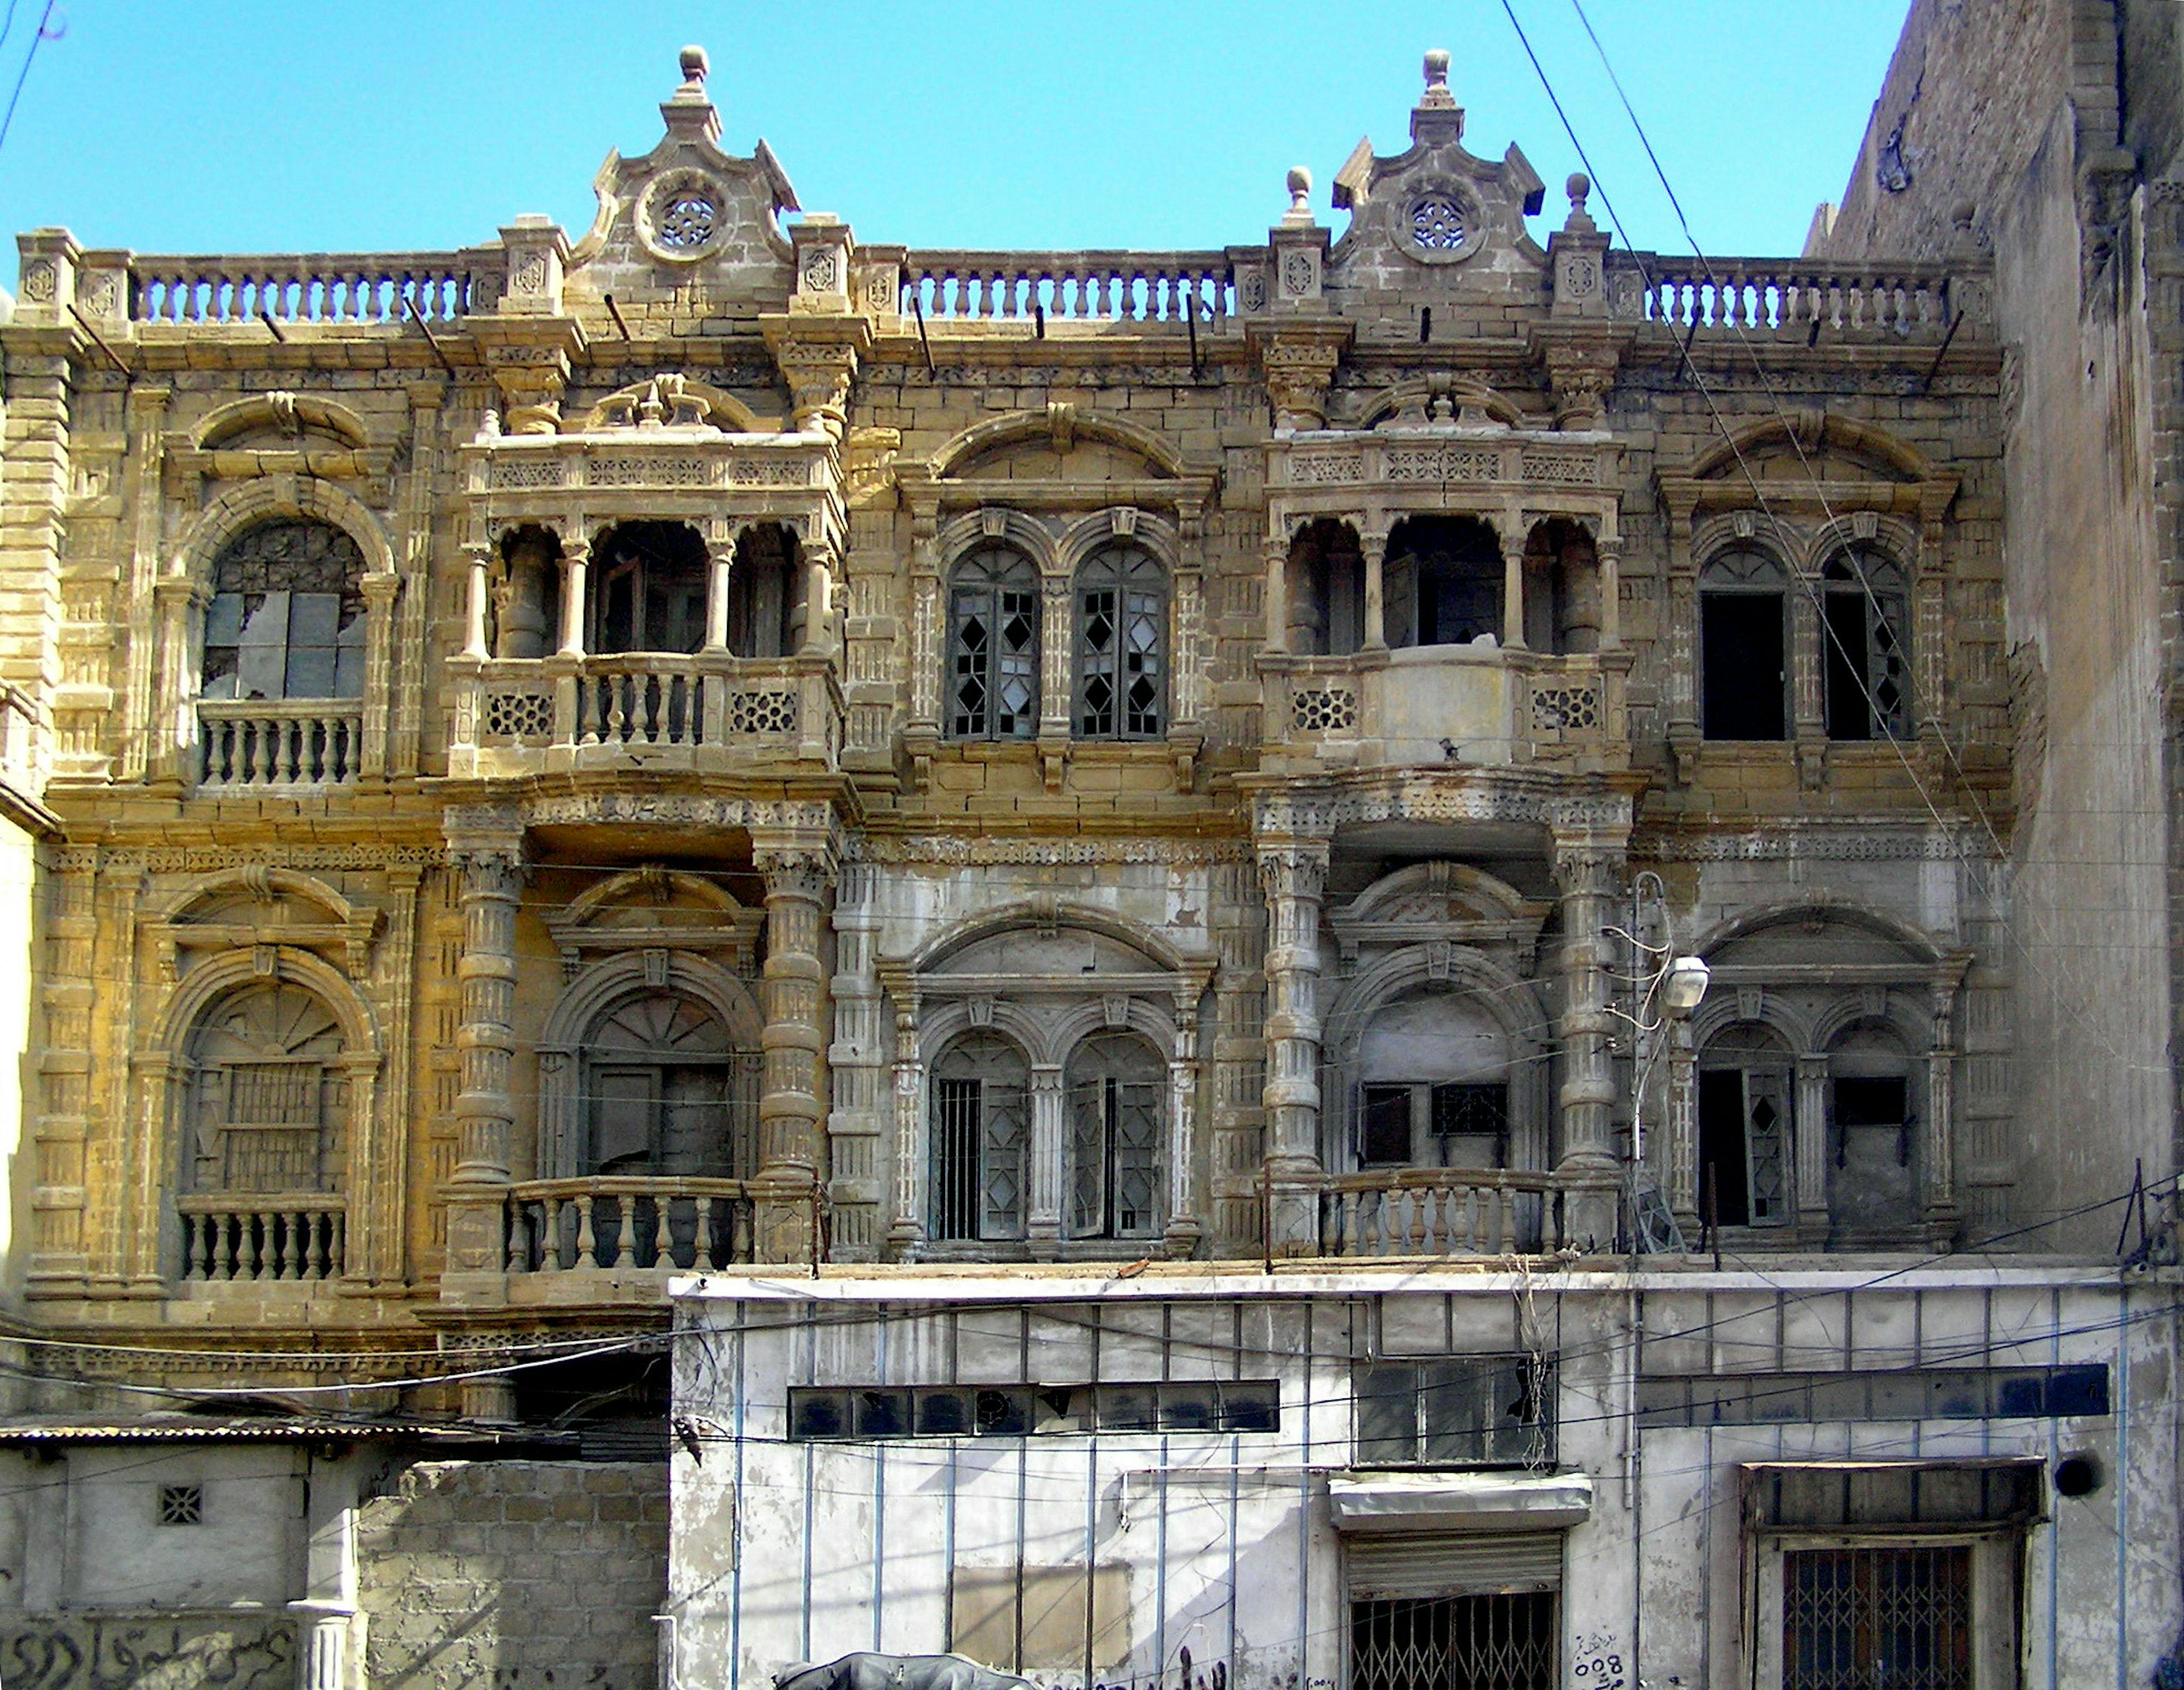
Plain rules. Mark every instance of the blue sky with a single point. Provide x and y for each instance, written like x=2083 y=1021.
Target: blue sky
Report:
x=209 y=125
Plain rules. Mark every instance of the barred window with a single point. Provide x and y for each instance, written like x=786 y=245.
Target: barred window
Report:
x=1867 y=661
x=981 y=1136
x=1864 y=1616
x=1440 y=1642
x=286 y=616
x=1117 y=1085
x=269 y=1095
x=993 y=646
x=1122 y=645
x=1210 y=1405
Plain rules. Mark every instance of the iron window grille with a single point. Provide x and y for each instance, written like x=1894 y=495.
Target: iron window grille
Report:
x=1115 y=1119
x=1502 y=1641
x=981 y=1139
x=1855 y=1618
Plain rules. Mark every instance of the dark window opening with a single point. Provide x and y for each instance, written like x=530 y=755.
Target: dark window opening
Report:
x=1561 y=589
x=1326 y=590
x=1211 y=1406
x=1443 y=581
x=1454 y=1123
x=1478 y=1412
x=287 y=614
x=1744 y=1139
x=617 y=1405
x=1454 y=1642
x=1899 y=1617
x=1743 y=647
x=765 y=618
x=651 y=589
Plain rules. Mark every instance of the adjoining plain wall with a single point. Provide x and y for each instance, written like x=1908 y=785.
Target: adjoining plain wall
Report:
x=2013 y=108
x=514 y=1574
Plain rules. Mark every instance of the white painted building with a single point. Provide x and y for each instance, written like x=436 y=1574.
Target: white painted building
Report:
x=1337 y=1478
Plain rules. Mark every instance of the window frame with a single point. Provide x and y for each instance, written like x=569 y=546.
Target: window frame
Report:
x=1104 y=1086
x=1716 y=584
x=1883 y=616
x=1427 y=1146
x=345 y=649
x=995 y=590
x=1085 y=665
x=1995 y=1596
x=646 y=569
x=984 y=1148
x=738 y=1068
x=1529 y=1442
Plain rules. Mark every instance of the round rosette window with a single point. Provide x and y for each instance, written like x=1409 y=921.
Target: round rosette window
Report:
x=683 y=217
x=1442 y=223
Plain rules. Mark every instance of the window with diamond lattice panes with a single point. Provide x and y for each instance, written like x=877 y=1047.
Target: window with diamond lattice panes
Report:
x=1122 y=645
x=1744 y=1129
x=1866 y=664
x=1856 y=1618
x=1117 y=1084
x=980 y=1137
x=287 y=614
x=993 y=646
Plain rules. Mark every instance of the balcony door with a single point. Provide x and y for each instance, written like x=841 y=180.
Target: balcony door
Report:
x=652 y=585
x=667 y=1093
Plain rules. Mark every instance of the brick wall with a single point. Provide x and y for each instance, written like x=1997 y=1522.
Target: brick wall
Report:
x=510 y=1574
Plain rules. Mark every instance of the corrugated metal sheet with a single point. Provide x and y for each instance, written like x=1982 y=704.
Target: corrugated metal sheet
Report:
x=23 y=1434
x=1455 y=1564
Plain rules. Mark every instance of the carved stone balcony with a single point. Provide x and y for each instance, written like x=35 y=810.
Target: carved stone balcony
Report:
x=707 y=713
x=257 y=744
x=1442 y=1212
x=230 y=1236
x=625 y=1223
x=1445 y=705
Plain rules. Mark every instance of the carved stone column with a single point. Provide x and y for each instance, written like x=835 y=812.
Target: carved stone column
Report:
x=1588 y=869
x=1057 y=677
x=856 y=1063
x=491 y=871
x=1049 y=1134
x=1808 y=713
x=382 y=657
x=720 y=559
x=1938 y=1138
x=798 y=877
x=1372 y=540
x=576 y=568
x=1293 y=873
x=181 y=600
x=147 y=416
x=906 y=1231
x=1183 y=1225
x=1682 y=1112
x=1808 y=1125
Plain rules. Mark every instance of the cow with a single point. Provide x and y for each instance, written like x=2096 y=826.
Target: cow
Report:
x=865 y=1671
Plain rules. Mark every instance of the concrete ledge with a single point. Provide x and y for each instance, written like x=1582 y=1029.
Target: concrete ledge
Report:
x=1460 y=1502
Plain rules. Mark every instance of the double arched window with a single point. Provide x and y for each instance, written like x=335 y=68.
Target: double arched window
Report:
x=1117 y=1084
x=981 y=1101
x=993 y=646
x=1745 y=646
x=286 y=616
x=1122 y=645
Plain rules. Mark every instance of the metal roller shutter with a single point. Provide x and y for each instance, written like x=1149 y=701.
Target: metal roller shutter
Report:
x=1454 y=1564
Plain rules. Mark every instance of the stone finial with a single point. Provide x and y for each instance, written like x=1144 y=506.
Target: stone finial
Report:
x=1962 y=215
x=694 y=66
x=1579 y=188
x=1299 y=185
x=1437 y=95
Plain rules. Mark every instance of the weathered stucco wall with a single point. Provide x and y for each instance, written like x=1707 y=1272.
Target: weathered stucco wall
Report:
x=2013 y=108
x=514 y=1573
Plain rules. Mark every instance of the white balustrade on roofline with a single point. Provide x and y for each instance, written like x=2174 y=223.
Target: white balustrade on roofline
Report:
x=311 y=288
x=1780 y=297
x=1153 y=287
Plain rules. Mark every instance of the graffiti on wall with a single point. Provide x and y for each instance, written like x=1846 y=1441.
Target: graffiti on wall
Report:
x=144 y=1652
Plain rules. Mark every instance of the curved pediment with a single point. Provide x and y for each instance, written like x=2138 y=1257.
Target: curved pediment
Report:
x=1813 y=445
x=1438 y=893
x=281 y=421
x=676 y=401
x=658 y=909
x=1819 y=934
x=262 y=897
x=1443 y=400
x=1061 y=443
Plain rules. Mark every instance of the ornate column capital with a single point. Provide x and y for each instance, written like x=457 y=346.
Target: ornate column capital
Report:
x=1293 y=869
x=818 y=358
x=797 y=871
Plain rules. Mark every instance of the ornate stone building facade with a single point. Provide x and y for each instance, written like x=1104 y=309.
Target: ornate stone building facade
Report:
x=719 y=748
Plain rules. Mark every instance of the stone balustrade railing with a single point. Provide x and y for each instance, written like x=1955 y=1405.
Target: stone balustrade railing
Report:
x=307 y=287
x=229 y=1236
x=1441 y=1212
x=513 y=714
x=1153 y=287
x=252 y=743
x=623 y=1222
x=1782 y=298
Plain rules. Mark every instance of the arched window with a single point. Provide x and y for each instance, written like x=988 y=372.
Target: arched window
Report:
x=1122 y=645
x=1117 y=1084
x=993 y=646
x=666 y=1091
x=981 y=1137
x=1744 y=1095
x=286 y=616
x=1744 y=647
x=651 y=592
x=1873 y=1175
x=1433 y=1074
x=269 y=1099
x=1443 y=581
x=1867 y=672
